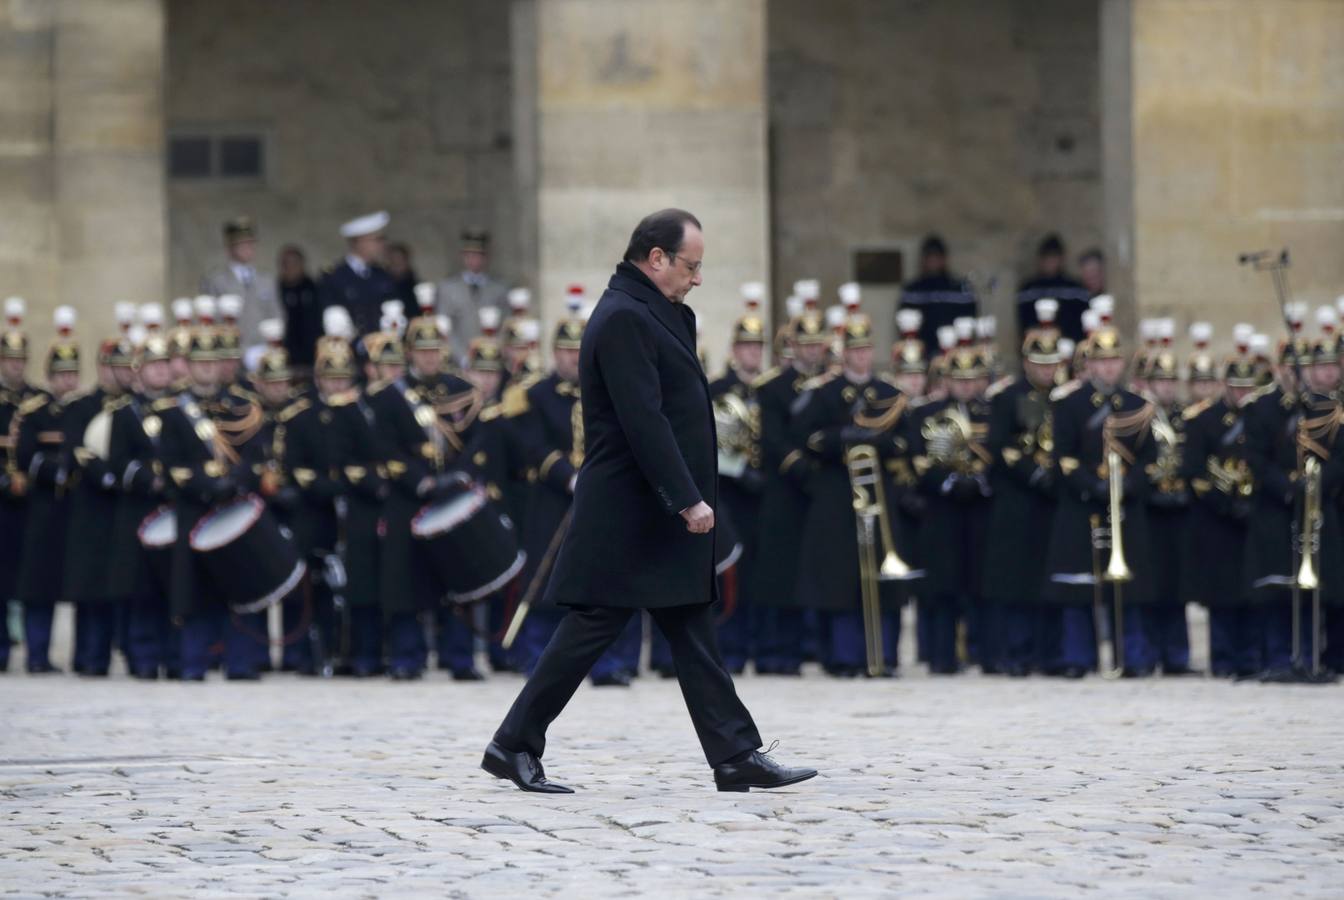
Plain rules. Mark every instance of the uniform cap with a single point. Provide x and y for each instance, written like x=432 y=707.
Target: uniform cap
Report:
x=908 y=321
x=364 y=225
x=519 y=299
x=274 y=365
x=424 y=295
x=335 y=359
x=239 y=229
x=336 y=323
x=475 y=237
x=230 y=307
x=484 y=355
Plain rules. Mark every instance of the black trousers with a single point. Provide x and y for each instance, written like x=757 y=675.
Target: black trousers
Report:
x=721 y=721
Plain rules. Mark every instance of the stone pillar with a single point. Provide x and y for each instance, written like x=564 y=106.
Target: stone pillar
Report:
x=108 y=158
x=627 y=124
x=1223 y=122
x=81 y=160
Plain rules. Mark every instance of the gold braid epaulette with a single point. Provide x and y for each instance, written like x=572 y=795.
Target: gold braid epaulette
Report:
x=239 y=431
x=885 y=420
x=1135 y=424
x=1316 y=436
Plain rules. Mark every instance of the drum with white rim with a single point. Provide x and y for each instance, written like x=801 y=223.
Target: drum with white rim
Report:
x=251 y=560
x=157 y=534
x=471 y=544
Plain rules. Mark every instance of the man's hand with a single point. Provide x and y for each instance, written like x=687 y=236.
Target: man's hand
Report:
x=699 y=518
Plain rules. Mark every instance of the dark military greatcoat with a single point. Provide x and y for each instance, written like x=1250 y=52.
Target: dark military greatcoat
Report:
x=355 y=450
x=1168 y=505
x=784 y=499
x=1023 y=479
x=92 y=497
x=1215 y=466
x=831 y=416
x=40 y=465
x=133 y=457
x=13 y=507
x=1080 y=417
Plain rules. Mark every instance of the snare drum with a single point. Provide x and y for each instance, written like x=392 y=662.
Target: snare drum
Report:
x=471 y=544
x=250 y=559
x=157 y=534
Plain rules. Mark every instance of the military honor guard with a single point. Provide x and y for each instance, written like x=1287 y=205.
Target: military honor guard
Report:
x=1215 y=466
x=951 y=461
x=140 y=588
x=38 y=471
x=92 y=497
x=1099 y=548
x=14 y=393
x=1023 y=481
x=849 y=422
x=425 y=423
x=784 y=500
x=358 y=282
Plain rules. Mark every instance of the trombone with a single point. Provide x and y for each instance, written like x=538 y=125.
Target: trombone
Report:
x=1117 y=572
x=1308 y=545
x=870 y=515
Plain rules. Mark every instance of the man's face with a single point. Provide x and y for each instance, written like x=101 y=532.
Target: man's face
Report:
x=1287 y=377
x=329 y=386
x=180 y=368
x=514 y=356
x=932 y=264
x=1237 y=395
x=274 y=392
x=1164 y=390
x=1324 y=377
x=1203 y=390
x=106 y=380
x=859 y=360
x=1041 y=375
x=291 y=266
x=368 y=247
x=1093 y=275
x=1049 y=265
x=12 y=369
x=63 y=383
x=228 y=370
x=810 y=354
x=964 y=390
x=1106 y=372
x=204 y=372
x=398 y=263
x=675 y=275
x=155 y=375
x=485 y=382
x=567 y=364
x=243 y=251
x=427 y=362
x=473 y=261
x=124 y=375
x=390 y=371
x=747 y=357
x=912 y=383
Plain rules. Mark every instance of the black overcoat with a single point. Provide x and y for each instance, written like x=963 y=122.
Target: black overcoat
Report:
x=92 y=499
x=133 y=458
x=784 y=500
x=650 y=453
x=1215 y=534
x=38 y=439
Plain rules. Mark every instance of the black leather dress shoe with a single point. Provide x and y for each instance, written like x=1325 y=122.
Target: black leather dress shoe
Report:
x=757 y=771
x=404 y=673
x=242 y=676
x=43 y=668
x=523 y=769
x=145 y=674
x=467 y=675
x=612 y=679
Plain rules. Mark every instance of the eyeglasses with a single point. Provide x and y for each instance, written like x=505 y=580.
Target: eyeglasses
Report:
x=693 y=266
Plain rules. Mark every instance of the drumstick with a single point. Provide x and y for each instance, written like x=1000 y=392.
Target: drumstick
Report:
x=543 y=568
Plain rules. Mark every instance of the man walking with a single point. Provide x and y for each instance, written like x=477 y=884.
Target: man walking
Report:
x=642 y=531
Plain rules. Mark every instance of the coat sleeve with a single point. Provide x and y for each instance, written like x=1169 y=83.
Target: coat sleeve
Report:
x=1008 y=458
x=1270 y=479
x=1078 y=479
x=625 y=354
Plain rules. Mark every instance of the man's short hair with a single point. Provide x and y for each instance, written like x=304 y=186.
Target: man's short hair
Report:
x=1091 y=254
x=665 y=229
x=1050 y=245
x=933 y=245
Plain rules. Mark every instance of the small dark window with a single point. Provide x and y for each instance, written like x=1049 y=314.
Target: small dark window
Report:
x=240 y=157
x=878 y=267
x=189 y=157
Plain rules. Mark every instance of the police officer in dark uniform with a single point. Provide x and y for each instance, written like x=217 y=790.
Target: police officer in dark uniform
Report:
x=1091 y=418
x=1023 y=481
x=1050 y=280
x=1168 y=509
x=133 y=458
x=951 y=461
x=363 y=475
x=741 y=478
x=92 y=500
x=937 y=294
x=38 y=471
x=15 y=391
x=425 y=424
x=203 y=438
x=358 y=282
x=784 y=501
x=837 y=411
x=1215 y=466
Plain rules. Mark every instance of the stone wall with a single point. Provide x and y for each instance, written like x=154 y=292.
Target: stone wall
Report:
x=1238 y=122
x=891 y=118
x=402 y=106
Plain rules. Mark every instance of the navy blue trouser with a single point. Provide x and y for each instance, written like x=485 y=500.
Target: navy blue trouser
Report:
x=366 y=639
x=95 y=626
x=942 y=613
x=1017 y=625
x=149 y=635
x=37 y=632
x=406 y=642
x=779 y=638
x=201 y=633
x=1236 y=640
x=540 y=625
x=1068 y=637
x=847 y=646
x=454 y=639
x=1171 y=635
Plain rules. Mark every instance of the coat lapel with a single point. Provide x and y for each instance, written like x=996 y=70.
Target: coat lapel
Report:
x=664 y=310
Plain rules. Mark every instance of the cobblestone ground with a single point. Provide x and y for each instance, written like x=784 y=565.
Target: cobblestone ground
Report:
x=960 y=787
